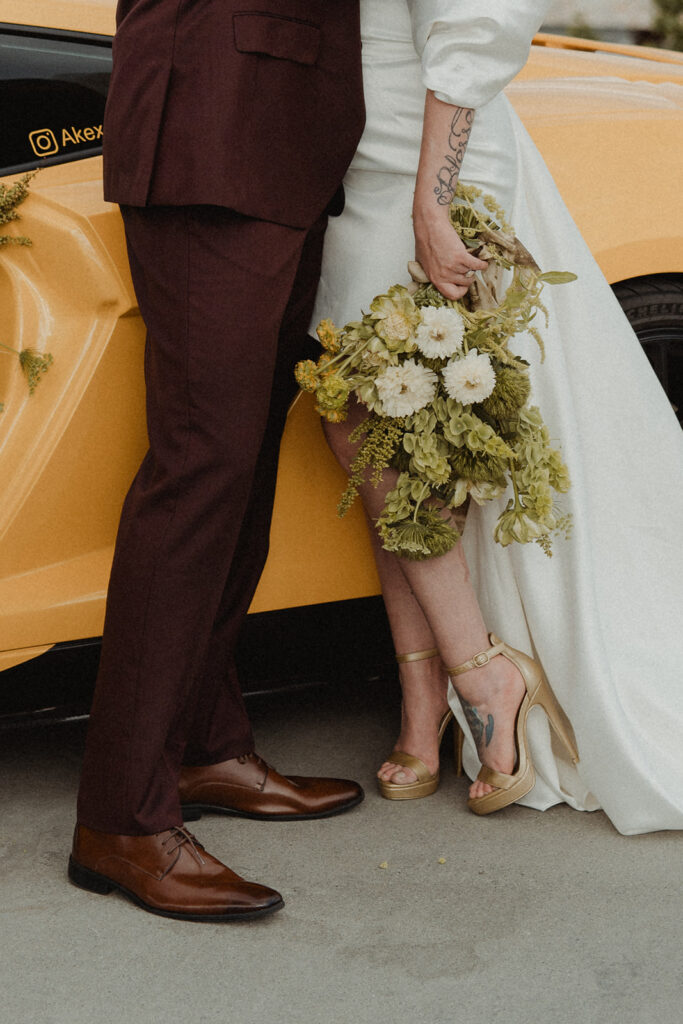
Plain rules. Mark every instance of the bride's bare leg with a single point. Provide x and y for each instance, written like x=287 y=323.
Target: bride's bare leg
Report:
x=424 y=684
x=490 y=694
x=448 y=610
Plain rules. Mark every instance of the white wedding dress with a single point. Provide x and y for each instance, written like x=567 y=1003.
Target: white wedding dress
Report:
x=603 y=615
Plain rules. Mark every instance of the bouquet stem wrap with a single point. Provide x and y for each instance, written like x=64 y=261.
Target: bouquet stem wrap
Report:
x=448 y=401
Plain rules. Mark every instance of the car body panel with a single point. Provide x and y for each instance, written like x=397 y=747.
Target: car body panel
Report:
x=598 y=138
x=609 y=125
x=97 y=16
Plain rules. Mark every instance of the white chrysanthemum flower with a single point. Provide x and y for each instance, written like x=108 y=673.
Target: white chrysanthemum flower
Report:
x=406 y=388
x=470 y=379
x=440 y=334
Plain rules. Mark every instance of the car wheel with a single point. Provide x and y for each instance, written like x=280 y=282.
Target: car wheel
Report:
x=654 y=306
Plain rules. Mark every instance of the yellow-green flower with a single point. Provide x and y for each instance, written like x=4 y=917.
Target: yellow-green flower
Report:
x=396 y=317
x=485 y=490
x=328 y=336
x=305 y=375
x=332 y=415
x=559 y=474
x=332 y=392
x=376 y=356
x=540 y=498
x=517 y=524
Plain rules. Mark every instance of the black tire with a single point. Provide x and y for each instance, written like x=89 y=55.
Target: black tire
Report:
x=654 y=306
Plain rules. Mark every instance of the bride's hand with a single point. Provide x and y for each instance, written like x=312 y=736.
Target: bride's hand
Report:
x=443 y=257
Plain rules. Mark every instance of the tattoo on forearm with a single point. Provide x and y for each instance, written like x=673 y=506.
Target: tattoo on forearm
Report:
x=480 y=730
x=447 y=177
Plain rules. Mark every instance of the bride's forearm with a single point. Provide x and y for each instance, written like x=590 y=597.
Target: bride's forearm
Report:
x=445 y=135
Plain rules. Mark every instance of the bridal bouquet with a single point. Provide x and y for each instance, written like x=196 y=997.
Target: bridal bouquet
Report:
x=448 y=401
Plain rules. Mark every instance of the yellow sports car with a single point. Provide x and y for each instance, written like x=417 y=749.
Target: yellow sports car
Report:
x=609 y=122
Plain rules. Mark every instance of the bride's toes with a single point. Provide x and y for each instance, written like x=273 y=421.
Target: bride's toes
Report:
x=479 y=789
x=390 y=772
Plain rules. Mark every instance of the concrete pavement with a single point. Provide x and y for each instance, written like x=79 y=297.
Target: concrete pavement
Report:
x=532 y=918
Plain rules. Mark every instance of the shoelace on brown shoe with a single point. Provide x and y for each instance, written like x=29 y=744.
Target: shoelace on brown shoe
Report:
x=181 y=836
x=243 y=758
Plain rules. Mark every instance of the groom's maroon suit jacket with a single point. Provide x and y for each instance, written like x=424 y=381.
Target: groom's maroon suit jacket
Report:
x=254 y=105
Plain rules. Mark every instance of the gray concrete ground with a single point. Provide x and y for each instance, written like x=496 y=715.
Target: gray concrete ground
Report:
x=533 y=918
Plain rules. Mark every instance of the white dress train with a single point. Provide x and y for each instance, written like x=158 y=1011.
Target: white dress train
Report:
x=603 y=615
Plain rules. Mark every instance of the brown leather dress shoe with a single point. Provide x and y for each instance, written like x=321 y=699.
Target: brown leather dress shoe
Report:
x=249 y=788
x=169 y=873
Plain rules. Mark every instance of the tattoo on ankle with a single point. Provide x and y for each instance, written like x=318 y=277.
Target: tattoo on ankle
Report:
x=459 y=134
x=480 y=730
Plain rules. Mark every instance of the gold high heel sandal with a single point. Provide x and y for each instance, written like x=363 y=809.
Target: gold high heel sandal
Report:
x=426 y=783
x=510 y=788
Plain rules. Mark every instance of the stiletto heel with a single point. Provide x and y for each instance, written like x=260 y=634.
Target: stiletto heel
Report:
x=559 y=722
x=426 y=783
x=509 y=788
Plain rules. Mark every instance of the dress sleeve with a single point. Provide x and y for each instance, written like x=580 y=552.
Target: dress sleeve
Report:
x=471 y=49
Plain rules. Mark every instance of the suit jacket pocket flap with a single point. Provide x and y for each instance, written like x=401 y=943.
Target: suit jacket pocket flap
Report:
x=277 y=37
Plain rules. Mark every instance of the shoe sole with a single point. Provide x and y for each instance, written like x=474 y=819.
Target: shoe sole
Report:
x=193 y=812
x=498 y=799
x=409 y=790
x=92 y=881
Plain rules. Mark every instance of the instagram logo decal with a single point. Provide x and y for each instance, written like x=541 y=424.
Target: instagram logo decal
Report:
x=43 y=142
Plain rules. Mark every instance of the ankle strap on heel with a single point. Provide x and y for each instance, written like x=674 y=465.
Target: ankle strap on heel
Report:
x=417 y=655
x=479 y=660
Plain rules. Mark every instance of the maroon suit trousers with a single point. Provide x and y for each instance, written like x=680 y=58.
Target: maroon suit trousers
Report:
x=227 y=301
